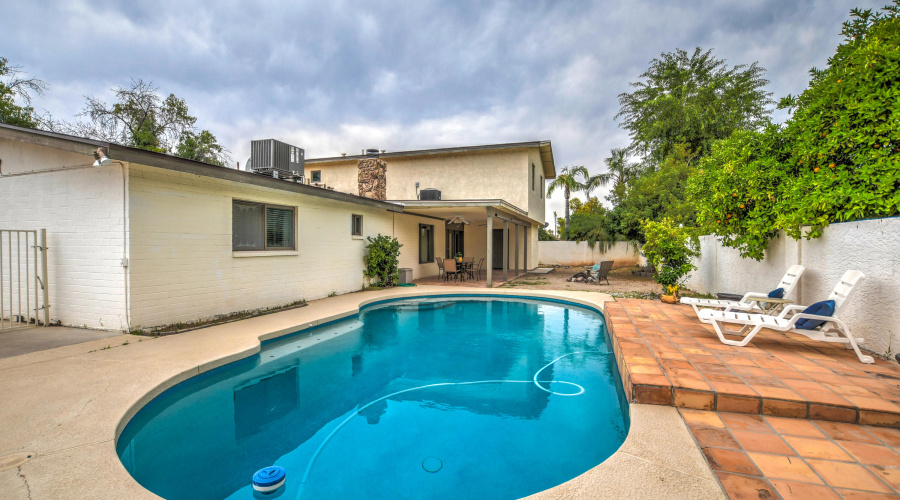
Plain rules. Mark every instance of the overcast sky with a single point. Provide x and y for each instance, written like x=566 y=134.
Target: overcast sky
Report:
x=338 y=76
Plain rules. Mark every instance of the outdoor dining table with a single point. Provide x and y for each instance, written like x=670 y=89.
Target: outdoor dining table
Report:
x=464 y=267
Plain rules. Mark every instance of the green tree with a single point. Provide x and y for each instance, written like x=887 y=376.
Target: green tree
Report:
x=656 y=194
x=544 y=235
x=670 y=248
x=592 y=206
x=571 y=179
x=201 y=147
x=142 y=118
x=738 y=189
x=837 y=158
x=692 y=99
x=618 y=173
x=14 y=89
x=844 y=133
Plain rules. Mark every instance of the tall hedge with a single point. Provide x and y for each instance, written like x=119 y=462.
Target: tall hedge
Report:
x=836 y=159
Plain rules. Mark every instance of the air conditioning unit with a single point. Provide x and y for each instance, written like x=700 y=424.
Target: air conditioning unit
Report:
x=276 y=158
x=430 y=195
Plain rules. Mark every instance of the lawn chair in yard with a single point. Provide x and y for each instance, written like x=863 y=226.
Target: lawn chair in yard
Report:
x=818 y=321
x=600 y=271
x=757 y=302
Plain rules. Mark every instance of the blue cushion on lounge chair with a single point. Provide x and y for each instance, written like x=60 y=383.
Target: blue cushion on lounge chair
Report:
x=596 y=267
x=824 y=308
x=777 y=293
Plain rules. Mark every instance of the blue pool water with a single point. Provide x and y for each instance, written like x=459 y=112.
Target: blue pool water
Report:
x=379 y=406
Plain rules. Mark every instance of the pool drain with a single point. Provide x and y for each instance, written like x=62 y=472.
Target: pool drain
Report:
x=432 y=464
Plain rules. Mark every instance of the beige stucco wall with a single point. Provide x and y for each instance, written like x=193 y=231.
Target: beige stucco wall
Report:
x=183 y=267
x=406 y=230
x=537 y=197
x=503 y=174
x=83 y=212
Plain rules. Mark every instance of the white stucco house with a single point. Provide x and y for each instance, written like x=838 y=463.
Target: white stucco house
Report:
x=151 y=239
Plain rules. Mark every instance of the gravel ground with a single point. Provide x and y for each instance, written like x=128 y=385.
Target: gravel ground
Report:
x=621 y=282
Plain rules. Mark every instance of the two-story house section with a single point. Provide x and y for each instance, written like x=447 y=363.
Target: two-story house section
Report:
x=487 y=201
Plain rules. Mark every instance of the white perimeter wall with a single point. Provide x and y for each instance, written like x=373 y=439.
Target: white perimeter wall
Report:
x=579 y=253
x=870 y=246
x=82 y=210
x=183 y=267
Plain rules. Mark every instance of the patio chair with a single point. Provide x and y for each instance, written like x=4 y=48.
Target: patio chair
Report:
x=751 y=301
x=450 y=268
x=475 y=271
x=467 y=264
x=813 y=321
x=440 y=264
x=600 y=271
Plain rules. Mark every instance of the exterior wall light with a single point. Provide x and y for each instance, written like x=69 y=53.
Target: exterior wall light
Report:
x=100 y=155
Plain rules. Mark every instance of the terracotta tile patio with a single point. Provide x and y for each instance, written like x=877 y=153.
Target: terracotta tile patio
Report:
x=757 y=456
x=667 y=357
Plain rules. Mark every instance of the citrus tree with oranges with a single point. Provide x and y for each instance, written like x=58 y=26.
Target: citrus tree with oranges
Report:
x=837 y=158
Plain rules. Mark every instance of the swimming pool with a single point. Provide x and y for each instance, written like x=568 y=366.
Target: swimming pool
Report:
x=469 y=397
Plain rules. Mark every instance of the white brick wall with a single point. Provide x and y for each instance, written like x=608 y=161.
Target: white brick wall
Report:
x=82 y=210
x=183 y=268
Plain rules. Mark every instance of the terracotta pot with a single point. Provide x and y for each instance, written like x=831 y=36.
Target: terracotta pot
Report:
x=669 y=299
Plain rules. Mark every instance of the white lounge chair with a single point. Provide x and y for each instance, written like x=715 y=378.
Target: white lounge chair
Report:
x=750 y=302
x=832 y=330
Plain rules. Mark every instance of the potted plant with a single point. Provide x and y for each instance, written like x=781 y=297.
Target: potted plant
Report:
x=670 y=248
x=459 y=257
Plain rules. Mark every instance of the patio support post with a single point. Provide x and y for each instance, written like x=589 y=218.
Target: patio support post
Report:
x=505 y=250
x=525 y=250
x=517 y=249
x=489 y=258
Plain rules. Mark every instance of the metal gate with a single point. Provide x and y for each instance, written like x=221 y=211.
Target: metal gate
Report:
x=23 y=278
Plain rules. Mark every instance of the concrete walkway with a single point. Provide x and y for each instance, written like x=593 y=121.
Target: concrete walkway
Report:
x=63 y=409
x=31 y=339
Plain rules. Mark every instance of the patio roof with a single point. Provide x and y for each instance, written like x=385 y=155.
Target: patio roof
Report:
x=474 y=210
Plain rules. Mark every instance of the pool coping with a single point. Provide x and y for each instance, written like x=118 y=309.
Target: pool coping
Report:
x=70 y=405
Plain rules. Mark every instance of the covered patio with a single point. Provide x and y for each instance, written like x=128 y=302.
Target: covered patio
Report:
x=494 y=230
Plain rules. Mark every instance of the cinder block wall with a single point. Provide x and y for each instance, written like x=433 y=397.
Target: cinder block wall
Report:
x=579 y=253
x=870 y=246
x=82 y=210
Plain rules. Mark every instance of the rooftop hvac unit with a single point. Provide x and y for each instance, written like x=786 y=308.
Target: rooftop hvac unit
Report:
x=430 y=195
x=269 y=156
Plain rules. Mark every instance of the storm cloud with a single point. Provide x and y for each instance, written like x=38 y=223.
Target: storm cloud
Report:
x=335 y=77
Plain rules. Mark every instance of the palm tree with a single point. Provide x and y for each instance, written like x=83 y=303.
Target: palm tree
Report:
x=568 y=181
x=619 y=171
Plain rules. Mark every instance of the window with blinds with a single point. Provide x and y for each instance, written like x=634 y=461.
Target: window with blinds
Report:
x=257 y=226
x=280 y=228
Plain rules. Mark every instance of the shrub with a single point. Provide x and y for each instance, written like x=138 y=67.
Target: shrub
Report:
x=382 y=260
x=669 y=248
x=836 y=159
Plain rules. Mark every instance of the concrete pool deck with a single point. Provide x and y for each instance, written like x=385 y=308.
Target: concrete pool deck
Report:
x=65 y=407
